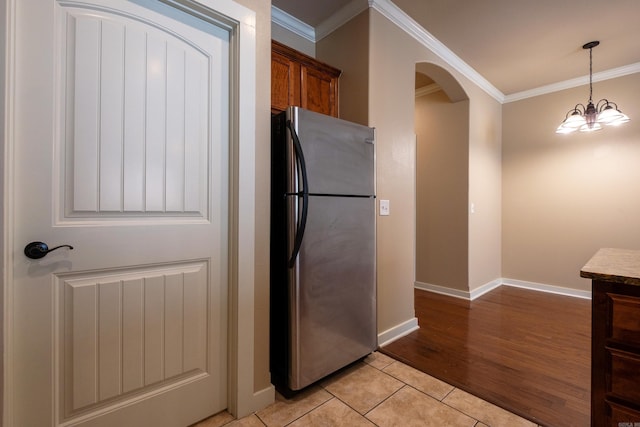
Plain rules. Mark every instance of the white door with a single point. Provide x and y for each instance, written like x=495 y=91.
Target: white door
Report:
x=121 y=151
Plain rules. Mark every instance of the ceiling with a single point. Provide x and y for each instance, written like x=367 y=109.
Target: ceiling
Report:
x=516 y=45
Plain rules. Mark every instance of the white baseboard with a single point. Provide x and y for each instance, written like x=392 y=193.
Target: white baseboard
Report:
x=397 y=332
x=547 y=288
x=466 y=295
x=442 y=290
x=487 y=287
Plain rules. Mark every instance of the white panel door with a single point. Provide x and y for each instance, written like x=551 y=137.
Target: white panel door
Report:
x=122 y=151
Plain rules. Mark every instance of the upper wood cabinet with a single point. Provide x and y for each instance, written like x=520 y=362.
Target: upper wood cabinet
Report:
x=300 y=80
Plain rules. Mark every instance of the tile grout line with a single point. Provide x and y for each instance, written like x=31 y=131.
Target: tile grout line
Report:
x=456 y=409
x=447 y=395
x=351 y=407
x=384 y=400
x=405 y=384
x=314 y=408
x=392 y=394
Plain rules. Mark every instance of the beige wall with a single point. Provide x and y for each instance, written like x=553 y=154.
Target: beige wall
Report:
x=347 y=48
x=566 y=196
x=442 y=181
x=485 y=188
x=391 y=95
x=393 y=58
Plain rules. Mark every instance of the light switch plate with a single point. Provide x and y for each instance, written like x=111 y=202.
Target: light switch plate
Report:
x=384 y=207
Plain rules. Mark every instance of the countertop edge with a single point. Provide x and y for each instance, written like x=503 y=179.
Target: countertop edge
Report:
x=603 y=277
x=614 y=265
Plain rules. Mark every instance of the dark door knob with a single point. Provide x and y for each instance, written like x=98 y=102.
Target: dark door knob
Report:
x=37 y=250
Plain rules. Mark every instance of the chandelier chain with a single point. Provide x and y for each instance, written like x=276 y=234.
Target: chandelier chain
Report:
x=590 y=74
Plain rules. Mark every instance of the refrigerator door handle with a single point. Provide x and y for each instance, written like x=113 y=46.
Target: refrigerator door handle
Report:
x=303 y=193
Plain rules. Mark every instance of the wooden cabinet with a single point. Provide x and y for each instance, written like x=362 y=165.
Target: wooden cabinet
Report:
x=298 y=79
x=615 y=350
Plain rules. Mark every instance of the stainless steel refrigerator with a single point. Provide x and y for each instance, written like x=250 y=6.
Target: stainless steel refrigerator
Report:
x=323 y=269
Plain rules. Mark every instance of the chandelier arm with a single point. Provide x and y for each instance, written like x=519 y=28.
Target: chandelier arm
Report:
x=580 y=110
x=603 y=103
x=574 y=110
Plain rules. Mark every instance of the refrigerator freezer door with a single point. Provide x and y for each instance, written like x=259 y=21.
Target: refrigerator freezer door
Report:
x=339 y=155
x=333 y=291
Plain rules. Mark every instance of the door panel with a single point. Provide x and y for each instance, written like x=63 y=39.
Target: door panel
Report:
x=121 y=333
x=138 y=106
x=123 y=154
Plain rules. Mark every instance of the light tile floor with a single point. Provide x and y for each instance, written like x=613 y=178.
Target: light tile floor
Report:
x=379 y=391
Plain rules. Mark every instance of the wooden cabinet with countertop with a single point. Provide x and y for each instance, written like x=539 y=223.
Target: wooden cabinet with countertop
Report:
x=615 y=337
x=300 y=80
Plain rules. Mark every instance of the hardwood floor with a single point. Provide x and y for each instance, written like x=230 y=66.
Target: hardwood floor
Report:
x=526 y=351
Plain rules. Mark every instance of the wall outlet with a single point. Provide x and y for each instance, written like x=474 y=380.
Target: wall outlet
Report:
x=384 y=207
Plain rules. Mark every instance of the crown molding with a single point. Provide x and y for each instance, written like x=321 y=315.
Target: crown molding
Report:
x=427 y=90
x=293 y=24
x=571 y=83
x=341 y=17
x=411 y=27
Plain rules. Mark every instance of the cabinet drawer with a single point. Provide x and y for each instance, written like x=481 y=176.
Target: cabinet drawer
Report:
x=625 y=319
x=625 y=375
x=621 y=416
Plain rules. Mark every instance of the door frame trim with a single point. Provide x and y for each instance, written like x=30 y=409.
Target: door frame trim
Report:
x=241 y=22
x=7 y=77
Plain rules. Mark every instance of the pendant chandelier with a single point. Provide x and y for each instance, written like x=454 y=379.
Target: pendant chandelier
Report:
x=592 y=117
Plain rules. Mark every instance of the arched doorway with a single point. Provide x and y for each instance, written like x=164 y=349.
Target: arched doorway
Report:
x=442 y=181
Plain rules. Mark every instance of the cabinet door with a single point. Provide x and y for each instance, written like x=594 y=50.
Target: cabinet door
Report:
x=319 y=91
x=302 y=81
x=619 y=415
x=285 y=82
